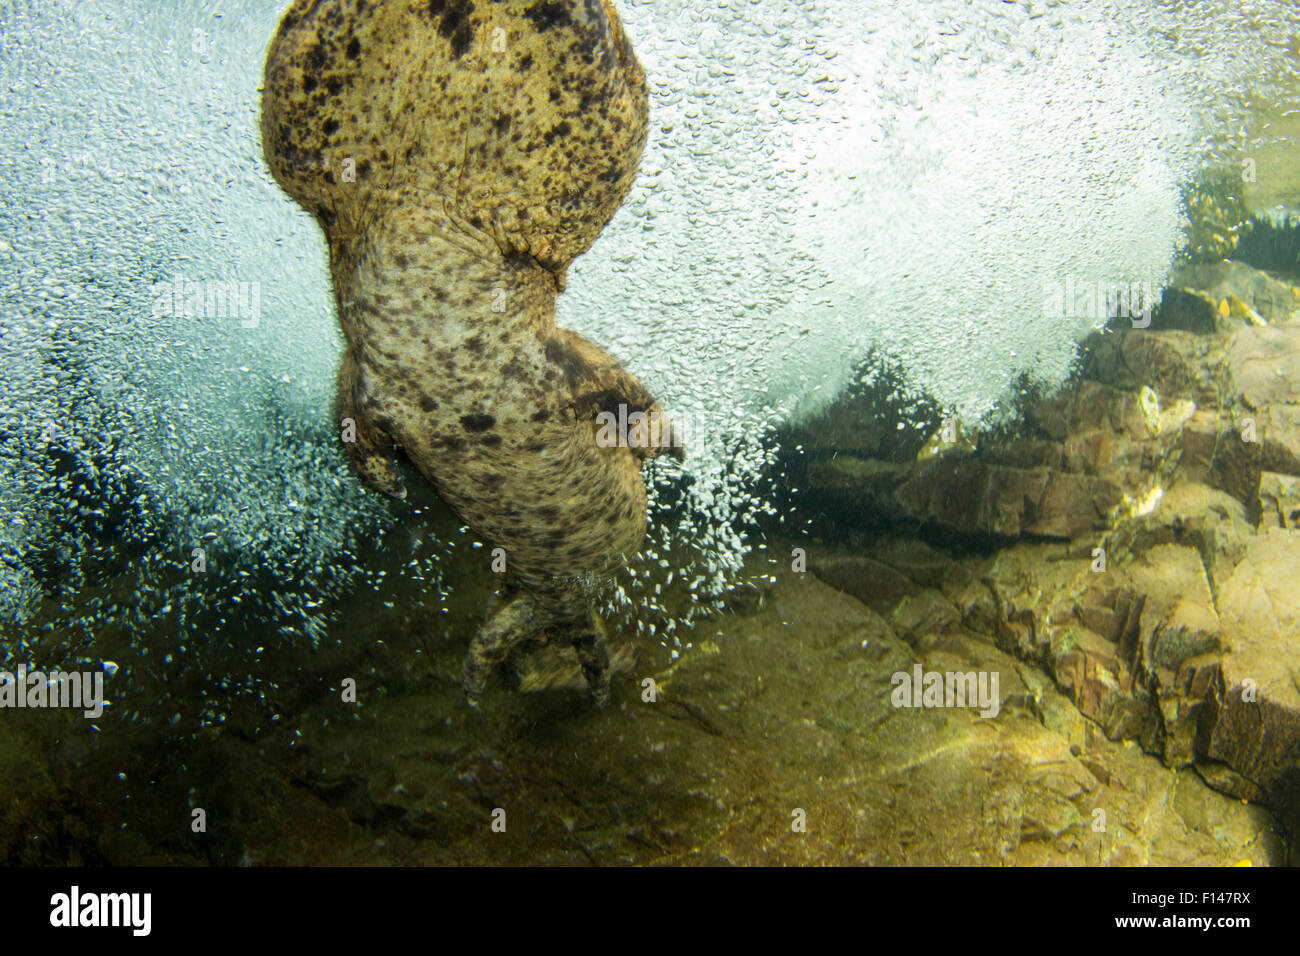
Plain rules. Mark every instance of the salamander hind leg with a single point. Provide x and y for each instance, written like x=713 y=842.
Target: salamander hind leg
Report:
x=368 y=447
x=570 y=615
x=589 y=641
x=512 y=624
x=566 y=617
x=600 y=384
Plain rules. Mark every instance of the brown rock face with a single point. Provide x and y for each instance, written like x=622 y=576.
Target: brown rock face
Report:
x=1262 y=362
x=876 y=585
x=1169 y=473
x=1275 y=301
x=1008 y=501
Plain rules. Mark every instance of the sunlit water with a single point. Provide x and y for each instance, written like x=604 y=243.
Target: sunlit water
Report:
x=821 y=178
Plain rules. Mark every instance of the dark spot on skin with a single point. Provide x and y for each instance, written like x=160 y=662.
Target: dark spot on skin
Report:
x=608 y=401
x=575 y=368
x=309 y=82
x=526 y=62
x=492 y=441
x=612 y=517
x=354 y=49
x=476 y=345
x=329 y=176
x=540 y=415
x=549 y=513
x=561 y=128
x=547 y=14
x=519 y=259
x=334 y=85
x=535 y=446
x=331 y=127
x=477 y=422
x=555 y=95
x=363 y=169
x=453 y=23
x=316 y=58
x=325 y=216
x=427 y=404
x=502 y=124
x=401 y=260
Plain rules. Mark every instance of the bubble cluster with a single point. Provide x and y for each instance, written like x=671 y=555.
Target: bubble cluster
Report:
x=822 y=179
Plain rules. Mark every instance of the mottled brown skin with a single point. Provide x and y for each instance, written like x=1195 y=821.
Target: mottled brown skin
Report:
x=459 y=156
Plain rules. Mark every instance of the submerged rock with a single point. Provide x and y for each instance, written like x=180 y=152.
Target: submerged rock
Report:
x=1279 y=497
x=1263 y=365
x=1169 y=475
x=1245 y=291
x=973 y=496
x=785 y=749
x=876 y=585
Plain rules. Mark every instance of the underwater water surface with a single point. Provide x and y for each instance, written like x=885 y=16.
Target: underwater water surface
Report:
x=833 y=264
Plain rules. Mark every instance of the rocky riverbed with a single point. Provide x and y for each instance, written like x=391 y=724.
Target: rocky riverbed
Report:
x=1125 y=563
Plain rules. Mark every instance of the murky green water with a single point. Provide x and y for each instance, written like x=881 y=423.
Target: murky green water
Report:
x=950 y=575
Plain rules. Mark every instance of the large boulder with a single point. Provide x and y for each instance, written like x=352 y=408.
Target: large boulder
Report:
x=1274 y=301
x=969 y=495
x=1263 y=364
x=1145 y=533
